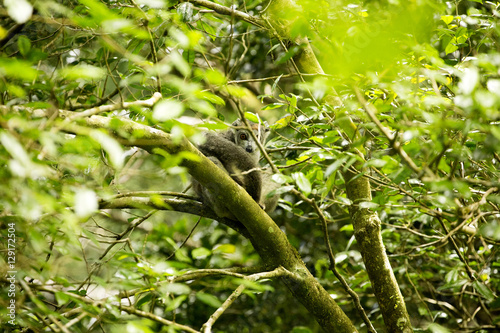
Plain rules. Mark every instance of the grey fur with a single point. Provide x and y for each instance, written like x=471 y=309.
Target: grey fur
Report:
x=236 y=152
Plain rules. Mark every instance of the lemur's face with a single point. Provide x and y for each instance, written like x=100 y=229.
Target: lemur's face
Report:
x=245 y=140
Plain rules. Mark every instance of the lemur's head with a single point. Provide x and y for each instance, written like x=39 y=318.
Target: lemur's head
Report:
x=245 y=140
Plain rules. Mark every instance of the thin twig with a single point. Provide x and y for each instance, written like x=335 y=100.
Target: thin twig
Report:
x=396 y=145
x=185 y=240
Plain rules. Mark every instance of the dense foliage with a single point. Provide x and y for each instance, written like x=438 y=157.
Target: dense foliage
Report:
x=421 y=79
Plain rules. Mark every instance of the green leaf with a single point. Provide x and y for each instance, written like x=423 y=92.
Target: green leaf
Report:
x=3 y=33
x=347 y=227
x=212 y=98
x=284 y=189
x=275 y=83
x=176 y=302
x=189 y=56
x=224 y=248
x=21 y=165
x=288 y=55
x=61 y=298
x=253 y=117
x=212 y=33
x=302 y=182
x=180 y=62
x=335 y=166
x=281 y=178
x=203 y=107
x=215 y=77
x=213 y=126
x=450 y=48
x=273 y=106
x=209 y=299
x=24 y=45
x=461 y=35
x=144 y=300
x=447 y=19
x=301 y=329
x=484 y=290
x=236 y=91
x=200 y=253
x=377 y=163
x=368 y=205
x=283 y=122
x=17 y=69
x=99 y=11
x=181 y=256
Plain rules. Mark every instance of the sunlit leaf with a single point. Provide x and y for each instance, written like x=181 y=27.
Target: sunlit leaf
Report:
x=19 y=10
x=111 y=146
x=272 y=106
x=447 y=18
x=302 y=182
x=18 y=69
x=436 y=328
x=62 y=298
x=224 y=248
x=167 y=109
x=83 y=72
x=252 y=117
x=176 y=288
x=85 y=202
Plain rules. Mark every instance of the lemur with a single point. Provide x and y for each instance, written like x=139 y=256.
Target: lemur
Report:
x=236 y=152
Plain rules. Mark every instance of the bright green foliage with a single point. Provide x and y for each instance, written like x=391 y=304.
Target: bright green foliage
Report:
x=430 y=69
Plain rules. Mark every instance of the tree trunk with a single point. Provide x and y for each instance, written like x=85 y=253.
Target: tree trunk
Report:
x=365 y=222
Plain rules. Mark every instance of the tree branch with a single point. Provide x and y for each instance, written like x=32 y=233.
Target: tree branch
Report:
x=267 y=238
x=207 y=327
x=126 y=105
x=228 y=11
x=183 y=206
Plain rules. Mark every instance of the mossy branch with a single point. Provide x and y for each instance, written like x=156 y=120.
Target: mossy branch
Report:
x=267 y=238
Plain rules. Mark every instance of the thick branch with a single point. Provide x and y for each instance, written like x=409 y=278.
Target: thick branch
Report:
x=269 y=241
x=267 y=238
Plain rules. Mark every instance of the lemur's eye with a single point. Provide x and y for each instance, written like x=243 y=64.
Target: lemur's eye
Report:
x=243 y=136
